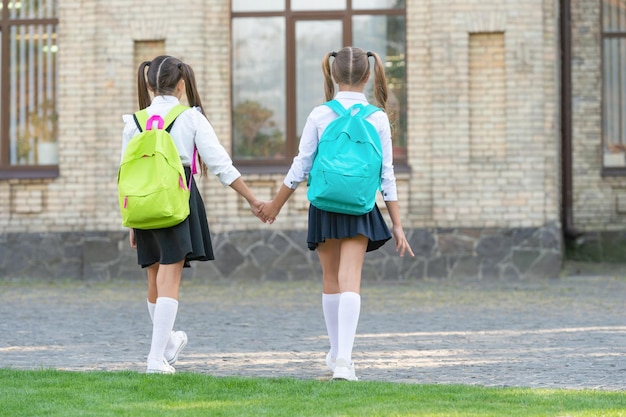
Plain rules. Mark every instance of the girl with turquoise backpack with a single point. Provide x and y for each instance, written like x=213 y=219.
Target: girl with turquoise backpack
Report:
x=342 y=231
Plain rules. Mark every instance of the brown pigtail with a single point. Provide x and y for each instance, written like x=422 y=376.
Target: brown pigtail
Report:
x=191 y=88
x=193 y=98
x=142 y=86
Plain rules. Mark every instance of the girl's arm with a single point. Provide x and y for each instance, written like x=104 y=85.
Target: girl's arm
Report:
x=214 y=155
x=402 y=245
x=271 y=209
x=298 y=171
x=241 y=187
x=131 y=238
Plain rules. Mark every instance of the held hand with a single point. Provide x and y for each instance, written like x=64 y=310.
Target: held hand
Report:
x=270 y=211
x=131 y=238
x=402 y=245
x=240 y=186
x=256 y=206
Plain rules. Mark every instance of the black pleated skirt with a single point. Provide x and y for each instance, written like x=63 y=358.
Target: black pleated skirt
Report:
x=189 y=240
x=326 y=225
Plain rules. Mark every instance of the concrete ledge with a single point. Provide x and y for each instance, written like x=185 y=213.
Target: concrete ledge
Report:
x=597 y=247
x=510 y=254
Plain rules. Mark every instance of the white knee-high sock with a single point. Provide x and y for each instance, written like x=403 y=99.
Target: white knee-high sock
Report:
x=151 y=312
x=151 y=309
x=164 y=317
x=348 y=319
x=330 y=307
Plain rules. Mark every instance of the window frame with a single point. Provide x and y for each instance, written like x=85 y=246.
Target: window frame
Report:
x=291 y=17
x=608 y=171
x=8 y=171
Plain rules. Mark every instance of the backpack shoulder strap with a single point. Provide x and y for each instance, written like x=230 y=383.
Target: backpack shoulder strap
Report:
x=141 y=118
x=368 y=110
x=364 y=113
x=172 y=115
x=336 y=107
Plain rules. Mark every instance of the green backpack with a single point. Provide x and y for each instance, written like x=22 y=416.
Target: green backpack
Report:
x=152 y=187
x=346 y=170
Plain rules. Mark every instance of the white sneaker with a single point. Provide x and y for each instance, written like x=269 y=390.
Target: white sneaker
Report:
x=154 y=367
x=330 y=362
x=344 y=370
x=178 y=340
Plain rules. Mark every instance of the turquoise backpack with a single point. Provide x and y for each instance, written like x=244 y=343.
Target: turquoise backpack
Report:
x=152 y=187
x=346 y=170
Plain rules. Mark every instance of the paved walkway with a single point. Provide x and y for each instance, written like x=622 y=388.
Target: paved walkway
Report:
x=565 y=333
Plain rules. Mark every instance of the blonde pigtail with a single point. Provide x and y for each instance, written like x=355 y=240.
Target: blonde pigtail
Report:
x=380 y=81
x=329 y=85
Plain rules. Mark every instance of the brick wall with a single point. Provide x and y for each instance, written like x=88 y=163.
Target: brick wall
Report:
x=475 y=162
x=101 y=44
x=482 y=141
x=487 y=97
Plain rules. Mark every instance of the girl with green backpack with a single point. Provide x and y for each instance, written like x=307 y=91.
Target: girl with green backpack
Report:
x=342 y=237
x=164 y=252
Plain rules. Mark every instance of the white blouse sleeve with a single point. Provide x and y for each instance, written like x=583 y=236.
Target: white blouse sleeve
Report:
x=388 y=185
x=213 y=154
x=130 y=130
x=302 y=163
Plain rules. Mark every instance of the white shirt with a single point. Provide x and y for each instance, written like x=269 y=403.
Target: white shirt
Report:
x=317 y=121
x=190 y=129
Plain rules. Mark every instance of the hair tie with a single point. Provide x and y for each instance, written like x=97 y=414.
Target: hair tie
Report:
x=180 y=65
x=333 y=54
x=369 y=54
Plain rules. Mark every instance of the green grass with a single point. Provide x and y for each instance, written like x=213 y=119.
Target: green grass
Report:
x=59 y=393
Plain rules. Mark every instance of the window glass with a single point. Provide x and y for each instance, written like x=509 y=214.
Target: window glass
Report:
x=146 y=50
x=32 y=9
x=33 y=117
x=258 y=6
x=314 y=39
x=3 y=156
x=614 y=102
x=614 y=80
x=276 y=68
x=377 y=4
x=614 y=16
x=318 y=5
x=258 y=91
x=385 y=35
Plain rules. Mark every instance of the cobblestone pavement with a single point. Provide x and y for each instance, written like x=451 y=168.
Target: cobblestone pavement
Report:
x=562 y=333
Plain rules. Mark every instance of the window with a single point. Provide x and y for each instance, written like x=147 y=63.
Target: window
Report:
x=28 y=74
x=614 y=84
x=278 y=46
x=147 y=50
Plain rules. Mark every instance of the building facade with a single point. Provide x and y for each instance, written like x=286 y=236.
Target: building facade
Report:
x=509 y=152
